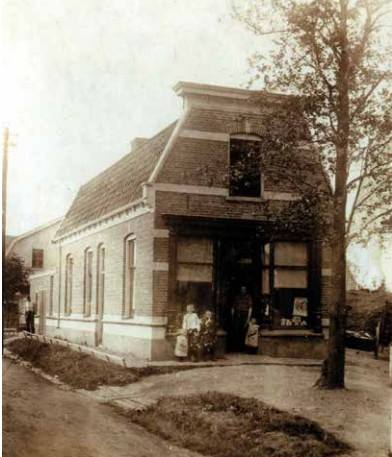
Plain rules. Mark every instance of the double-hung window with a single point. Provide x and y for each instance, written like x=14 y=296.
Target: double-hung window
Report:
x=100 y=278
x=68 y=284
x=37 y=258
x=88 y=281
x=129 y=273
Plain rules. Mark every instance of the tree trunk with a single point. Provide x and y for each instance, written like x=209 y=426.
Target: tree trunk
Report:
x=333 y=375
x=337 y=315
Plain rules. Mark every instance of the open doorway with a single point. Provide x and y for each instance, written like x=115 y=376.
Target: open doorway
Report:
x=238 y=284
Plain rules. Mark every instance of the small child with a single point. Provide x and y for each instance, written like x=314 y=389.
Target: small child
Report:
x=252 y=336
x=181 y=349
x=191 y=325
x=208 y=335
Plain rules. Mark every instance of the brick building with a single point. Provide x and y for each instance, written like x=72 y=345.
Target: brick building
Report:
x=166 y=226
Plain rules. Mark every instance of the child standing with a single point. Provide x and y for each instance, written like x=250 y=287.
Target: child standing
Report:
x=181 y=349
x=252 y=337
x=208 y=335
x=191 y=326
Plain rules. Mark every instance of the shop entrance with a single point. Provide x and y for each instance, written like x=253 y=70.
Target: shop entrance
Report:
x=238 y=275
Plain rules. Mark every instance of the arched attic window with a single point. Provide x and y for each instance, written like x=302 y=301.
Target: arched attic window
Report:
x=68 y=284
x=245 y=166
x=88 y=281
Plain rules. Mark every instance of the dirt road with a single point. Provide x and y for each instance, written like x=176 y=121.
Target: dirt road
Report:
x=39 y=419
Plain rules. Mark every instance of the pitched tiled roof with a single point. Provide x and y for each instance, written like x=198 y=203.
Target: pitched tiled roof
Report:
x=117 y=186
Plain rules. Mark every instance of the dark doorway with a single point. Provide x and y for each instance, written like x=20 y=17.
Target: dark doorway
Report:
x=238 y=266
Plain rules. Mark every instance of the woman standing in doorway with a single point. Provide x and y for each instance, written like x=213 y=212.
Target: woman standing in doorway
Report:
x=241 y=313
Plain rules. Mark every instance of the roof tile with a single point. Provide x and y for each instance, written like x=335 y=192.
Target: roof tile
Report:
x=116 y=186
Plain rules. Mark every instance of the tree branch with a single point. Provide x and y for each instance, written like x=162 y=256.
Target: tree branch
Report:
x=375 y=218
x=366 y=96
x=368 y=174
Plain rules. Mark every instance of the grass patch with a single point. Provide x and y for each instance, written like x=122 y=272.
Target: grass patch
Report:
x=78 y=369
x=223 y=425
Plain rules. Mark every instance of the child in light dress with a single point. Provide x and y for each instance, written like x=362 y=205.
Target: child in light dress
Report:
x=181 y=349
x=252 y=337
x=191 y=326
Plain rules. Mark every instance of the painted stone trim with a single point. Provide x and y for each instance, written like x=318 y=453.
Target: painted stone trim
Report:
x=205 y=135
x=188 y=189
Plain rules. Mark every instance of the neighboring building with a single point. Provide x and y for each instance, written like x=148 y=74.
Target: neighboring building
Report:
x=40 y=256
x=167 y=225
x=351 y=282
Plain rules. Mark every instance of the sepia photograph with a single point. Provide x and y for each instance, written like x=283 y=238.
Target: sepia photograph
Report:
x=196 y=228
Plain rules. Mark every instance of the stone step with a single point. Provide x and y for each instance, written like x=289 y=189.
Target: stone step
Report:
x=133 y=404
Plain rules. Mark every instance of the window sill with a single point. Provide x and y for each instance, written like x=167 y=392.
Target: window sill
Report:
x=244 y=199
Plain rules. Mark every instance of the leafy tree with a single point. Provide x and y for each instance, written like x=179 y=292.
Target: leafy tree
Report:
x=333 y=54
x=15 y=278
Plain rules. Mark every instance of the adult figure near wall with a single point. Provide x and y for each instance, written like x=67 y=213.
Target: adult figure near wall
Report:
x=241 y=313
x=29 y=315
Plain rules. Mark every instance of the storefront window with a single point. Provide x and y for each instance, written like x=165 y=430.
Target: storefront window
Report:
x=288 y=264
x=194 y=272
x=284 y=278
x=291 y=254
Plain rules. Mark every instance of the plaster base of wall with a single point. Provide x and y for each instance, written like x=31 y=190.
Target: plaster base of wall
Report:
x=144 y=342
x=78 y=336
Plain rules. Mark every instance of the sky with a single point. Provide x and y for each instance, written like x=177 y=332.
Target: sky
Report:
x=85 y=77
x=81 y=79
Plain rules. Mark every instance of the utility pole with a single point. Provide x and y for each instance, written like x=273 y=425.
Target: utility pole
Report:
x=4 y=218
x=4 y=188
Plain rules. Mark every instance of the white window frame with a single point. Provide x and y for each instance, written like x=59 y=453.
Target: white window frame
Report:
x=69 y=263
x=88 y=282
x=101 y=275
x=129 y=299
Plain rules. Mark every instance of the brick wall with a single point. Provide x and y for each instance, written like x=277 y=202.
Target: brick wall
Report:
x=215 y=120
x=113 y=240
x=197 y=162
x=161 y=249
x=160 y=291
x=207 y=206
x=205 y=162
x=201 y=162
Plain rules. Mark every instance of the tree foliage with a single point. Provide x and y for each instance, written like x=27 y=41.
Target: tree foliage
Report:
x=15 y=278
x=308 y=56
x=334 y=55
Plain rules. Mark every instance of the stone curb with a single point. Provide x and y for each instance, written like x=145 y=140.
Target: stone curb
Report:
x=79 y=348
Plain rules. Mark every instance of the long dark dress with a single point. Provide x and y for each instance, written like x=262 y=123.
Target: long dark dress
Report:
x=208 y=337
